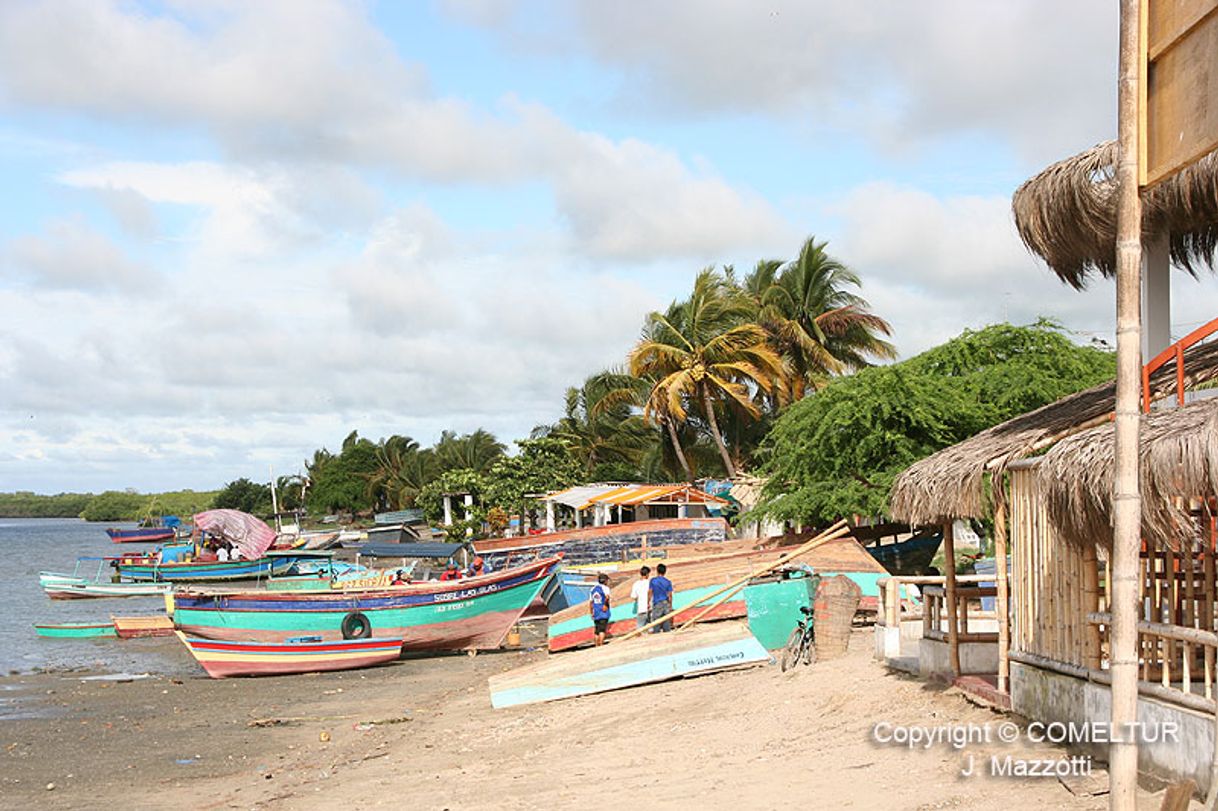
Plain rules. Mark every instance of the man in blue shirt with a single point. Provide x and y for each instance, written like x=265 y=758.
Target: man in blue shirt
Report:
x=598 y=606
x=661 y=599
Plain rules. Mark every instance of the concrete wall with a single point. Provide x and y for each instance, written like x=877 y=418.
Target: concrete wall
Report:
x=898 y=647
x=1043 y=695
x=935 y=660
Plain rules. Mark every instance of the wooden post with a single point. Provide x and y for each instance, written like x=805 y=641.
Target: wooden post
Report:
x=1126 y=496
x=949 y=563
x=1000 y=602
x=1091 y=604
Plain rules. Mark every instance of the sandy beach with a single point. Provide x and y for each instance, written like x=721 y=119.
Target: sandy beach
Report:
x=423 y=729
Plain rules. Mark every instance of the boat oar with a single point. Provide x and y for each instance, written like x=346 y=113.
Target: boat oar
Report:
x=831 y=534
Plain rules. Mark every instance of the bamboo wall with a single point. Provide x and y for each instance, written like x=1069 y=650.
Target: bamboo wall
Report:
x=1054 y=585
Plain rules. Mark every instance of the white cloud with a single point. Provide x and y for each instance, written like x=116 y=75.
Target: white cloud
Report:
x=1038 y=73
x=72 y=255
x=328 y=93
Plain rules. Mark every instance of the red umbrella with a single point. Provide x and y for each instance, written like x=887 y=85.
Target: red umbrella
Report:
x=251 y=536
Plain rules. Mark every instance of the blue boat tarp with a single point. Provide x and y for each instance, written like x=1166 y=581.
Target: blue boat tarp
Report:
x=410 y=550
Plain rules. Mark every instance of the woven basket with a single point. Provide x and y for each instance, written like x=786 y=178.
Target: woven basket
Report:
x=837 y=600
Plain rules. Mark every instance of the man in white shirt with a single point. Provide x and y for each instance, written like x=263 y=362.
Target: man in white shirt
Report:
x=640 y=592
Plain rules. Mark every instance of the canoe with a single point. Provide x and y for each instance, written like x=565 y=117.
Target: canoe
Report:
x=642 y=660
x=133 y=627
x=311 y=655
x=148 y=569
x=141 y=535
x=70 y=587
x=75 y=630
x=613 y=542
x=471 y=614
x=696 y=578
x=909 y=557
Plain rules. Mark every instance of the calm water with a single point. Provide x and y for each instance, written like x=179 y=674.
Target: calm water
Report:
x=32 y=545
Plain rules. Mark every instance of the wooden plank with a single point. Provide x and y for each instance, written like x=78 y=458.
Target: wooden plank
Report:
x=644 y=660
x=1181 y=67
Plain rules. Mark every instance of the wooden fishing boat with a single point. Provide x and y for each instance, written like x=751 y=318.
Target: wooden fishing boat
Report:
x=642 y=660
x=133 y=627
x=141 y=535
x=909 y=557
x=69 y=587
x=299 y=655
x=151 y=568
x=75 y=630
x=695 y=578
x=470 y=614
x=613 y=542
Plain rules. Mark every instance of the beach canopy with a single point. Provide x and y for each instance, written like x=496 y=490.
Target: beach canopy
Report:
x=251 y=536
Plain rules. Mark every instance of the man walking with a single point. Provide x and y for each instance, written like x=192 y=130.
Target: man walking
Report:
x=640 y=592
x=598 y=607
x=661 y=599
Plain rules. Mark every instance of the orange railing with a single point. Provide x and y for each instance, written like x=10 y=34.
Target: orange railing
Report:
x=1174 y=352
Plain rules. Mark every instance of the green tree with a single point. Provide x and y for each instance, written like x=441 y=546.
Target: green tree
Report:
x=402 y=470
x=542 y=465
x=836 y=452
x=704 y=351
x=460 y=481
x=116 y=505
x=339 y=483
x=242 y=494
x=819 y=327
x=475 y=451
x=601 y=430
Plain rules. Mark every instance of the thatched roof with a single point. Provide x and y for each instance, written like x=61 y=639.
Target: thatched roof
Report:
x=1067 y=214
x=951 y=483
x=1179 y=454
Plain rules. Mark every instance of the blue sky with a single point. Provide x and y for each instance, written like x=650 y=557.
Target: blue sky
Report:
x=231 y=233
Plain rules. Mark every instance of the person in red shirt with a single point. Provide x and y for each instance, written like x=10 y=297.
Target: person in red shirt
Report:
x=451 y=573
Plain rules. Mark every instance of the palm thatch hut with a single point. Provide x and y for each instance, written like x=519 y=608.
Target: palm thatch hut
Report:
x=1066 y=214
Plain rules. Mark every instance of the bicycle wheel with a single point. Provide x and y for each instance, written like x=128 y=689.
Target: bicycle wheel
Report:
x=810 y=647
x=791 y=653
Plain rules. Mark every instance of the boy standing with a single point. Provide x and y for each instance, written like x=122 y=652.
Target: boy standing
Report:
x=598 y=606
x=661 y=599
x=640 y=592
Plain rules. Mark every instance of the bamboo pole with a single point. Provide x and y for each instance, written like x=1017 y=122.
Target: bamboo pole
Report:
x=1126 y=497
x=1091 y=603
x=831 y=534
x=949 y=563
x=1000 y=602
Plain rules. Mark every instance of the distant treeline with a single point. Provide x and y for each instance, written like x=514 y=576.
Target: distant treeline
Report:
x=112 y=505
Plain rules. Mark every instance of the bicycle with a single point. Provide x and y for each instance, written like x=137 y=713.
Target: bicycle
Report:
x=802 y=642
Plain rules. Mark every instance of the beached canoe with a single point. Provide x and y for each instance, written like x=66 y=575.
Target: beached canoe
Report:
x=304 y=655
x=471 y=614
x=70 y=587
x=694 y=579
x=75 y=630
x=613 y=542
x=133 y=627
x=642 y=660
x=141 y=535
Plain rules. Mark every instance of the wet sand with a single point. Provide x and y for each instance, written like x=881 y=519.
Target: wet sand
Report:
x=421 y=732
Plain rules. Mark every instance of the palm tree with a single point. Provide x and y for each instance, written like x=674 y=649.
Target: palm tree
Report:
x=402 y=469
x=819 y=327
x=476 y=451
x=599 y=424
x=705 y=350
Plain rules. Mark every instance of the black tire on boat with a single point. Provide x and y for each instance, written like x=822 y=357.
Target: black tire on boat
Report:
x=790 y=654
x=356 y=626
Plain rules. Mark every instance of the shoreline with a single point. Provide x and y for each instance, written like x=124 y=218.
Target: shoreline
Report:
x=423 y=728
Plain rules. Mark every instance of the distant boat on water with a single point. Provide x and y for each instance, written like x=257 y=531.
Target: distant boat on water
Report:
x=76 y=630
x=141 y=534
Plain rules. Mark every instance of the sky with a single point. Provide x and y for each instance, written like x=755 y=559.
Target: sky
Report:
x=233 y=232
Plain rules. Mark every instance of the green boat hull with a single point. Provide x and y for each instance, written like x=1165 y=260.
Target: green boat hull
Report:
x=70 y=631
